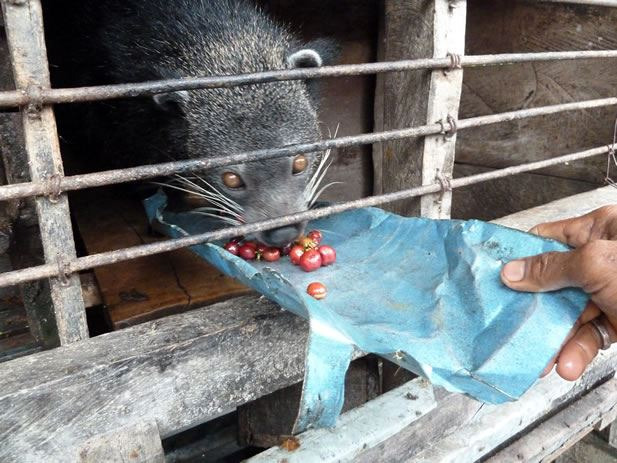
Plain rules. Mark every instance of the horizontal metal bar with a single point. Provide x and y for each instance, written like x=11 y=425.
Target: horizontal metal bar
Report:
x=111 y=257
x=106 y=92
x=112 y=177
x=610 y=3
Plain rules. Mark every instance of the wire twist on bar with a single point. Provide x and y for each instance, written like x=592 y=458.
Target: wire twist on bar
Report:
x=53 y=188
x=64 y=271
x=445 y=182
x=456 y=62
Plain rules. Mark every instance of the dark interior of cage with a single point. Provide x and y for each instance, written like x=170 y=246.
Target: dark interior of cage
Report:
x=143 y=289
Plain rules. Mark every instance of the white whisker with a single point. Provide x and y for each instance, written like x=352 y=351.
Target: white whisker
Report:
x=319 y=178
x=320 y=192
x=213 y=193
x=216 y=209
x=193 y=193
x=310 y=192
x=214 y=200
x=223 y=197
x=228 y=220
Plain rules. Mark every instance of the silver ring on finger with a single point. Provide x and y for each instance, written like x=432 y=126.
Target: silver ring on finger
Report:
x=602 y=331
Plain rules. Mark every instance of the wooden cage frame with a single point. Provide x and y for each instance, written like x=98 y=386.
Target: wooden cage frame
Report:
x=104 y=398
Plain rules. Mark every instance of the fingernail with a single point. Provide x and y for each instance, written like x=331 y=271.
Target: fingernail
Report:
x=515 y=270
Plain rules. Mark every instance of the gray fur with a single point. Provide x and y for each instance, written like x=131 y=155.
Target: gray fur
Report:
x=114 y=41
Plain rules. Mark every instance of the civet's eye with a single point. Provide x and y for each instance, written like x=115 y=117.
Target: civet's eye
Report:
x=300 y=164
x=231 y=180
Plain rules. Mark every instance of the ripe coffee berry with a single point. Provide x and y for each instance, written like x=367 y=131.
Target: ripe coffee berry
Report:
x=271 y=255
x=247 y=252
x=296 y=254
x=317 y=290
x=310 y=260
x=232 y=247
x=328 y=254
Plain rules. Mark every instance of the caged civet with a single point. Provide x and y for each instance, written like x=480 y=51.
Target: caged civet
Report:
x=92 y=43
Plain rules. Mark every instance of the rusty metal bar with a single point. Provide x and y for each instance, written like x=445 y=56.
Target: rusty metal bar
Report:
x=112 y=177
x=104 y=92
x=23 y=23
x=111 y=257
x=609 y=3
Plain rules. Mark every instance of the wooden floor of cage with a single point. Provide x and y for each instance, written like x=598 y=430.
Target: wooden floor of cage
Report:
x=149 y=287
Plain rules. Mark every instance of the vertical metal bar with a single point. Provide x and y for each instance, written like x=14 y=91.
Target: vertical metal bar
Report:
x=443 y=105
x=24 y=28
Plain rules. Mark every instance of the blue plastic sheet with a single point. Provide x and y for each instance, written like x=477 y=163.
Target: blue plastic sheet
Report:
x=423 y=293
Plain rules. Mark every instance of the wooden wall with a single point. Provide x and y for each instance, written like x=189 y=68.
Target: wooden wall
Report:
x=505 y=26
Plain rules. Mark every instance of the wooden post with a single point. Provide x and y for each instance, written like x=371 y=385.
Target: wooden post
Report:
x=20 y=225
x=419 y=29
x=24 y=29
x=443 y=104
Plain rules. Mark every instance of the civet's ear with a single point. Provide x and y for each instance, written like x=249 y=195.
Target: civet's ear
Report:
x=171 y=101
x=305 y=58
x=317 y=53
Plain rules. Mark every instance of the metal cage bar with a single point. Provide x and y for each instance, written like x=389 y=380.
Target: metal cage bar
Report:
x=23 y=23
x=111 y=257
x=609 y=3
x=23 y=97
x=112 y=177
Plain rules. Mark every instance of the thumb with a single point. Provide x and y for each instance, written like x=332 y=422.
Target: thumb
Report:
x=544 y=272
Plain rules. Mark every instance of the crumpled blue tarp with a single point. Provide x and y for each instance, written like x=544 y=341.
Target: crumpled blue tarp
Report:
x=425 y=294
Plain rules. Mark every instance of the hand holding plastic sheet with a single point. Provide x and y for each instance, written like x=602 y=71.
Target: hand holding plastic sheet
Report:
x=425 y=294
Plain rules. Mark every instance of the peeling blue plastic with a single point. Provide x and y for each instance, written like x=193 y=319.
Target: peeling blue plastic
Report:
x=423 y=293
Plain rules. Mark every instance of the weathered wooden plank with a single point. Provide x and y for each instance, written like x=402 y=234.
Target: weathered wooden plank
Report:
x=612 y=435
x=591 y=449
x=179 y=371
x=461 y=429
x=138 y=443
x=561 y=209
x=402 y=98
x=443 y=103
x=361 y=428
x=24 y=29
x=555 y=435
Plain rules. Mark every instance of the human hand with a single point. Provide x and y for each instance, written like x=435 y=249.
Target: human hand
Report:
x=592 y=266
